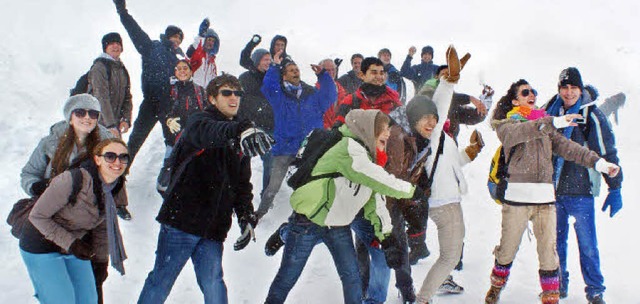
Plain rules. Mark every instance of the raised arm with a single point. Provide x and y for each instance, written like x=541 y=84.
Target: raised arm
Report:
x=140 y=39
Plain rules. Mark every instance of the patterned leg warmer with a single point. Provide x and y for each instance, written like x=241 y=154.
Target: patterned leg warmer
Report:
x=550 y=282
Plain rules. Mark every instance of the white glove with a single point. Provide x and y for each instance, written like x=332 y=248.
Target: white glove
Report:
x=608 y=168
x=562 y=122
x=173 y=124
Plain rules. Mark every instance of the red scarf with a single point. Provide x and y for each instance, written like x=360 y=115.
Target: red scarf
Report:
x=381 y=157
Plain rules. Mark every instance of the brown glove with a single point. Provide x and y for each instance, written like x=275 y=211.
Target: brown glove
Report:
x=475 y=145
x=455 y=64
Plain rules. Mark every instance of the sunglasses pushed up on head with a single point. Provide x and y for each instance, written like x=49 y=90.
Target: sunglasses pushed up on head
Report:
x=81 y=113
x=111 y=157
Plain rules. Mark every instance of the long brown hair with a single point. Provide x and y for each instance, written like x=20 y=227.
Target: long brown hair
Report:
x=67 y=142
x=505 y=103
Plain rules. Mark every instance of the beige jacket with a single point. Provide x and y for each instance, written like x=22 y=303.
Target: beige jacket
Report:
x=531 y=165
x=63 y=223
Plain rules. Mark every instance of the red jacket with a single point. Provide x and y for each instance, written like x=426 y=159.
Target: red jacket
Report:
x=386 y=102
x=329 y=116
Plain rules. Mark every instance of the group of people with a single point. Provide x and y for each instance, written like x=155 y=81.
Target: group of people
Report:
x=396 y=164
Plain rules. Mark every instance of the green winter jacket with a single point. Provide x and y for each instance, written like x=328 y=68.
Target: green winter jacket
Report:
x=363 y=184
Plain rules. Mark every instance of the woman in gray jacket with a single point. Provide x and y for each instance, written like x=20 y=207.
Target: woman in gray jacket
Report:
x=529 y=139
x=68 y=228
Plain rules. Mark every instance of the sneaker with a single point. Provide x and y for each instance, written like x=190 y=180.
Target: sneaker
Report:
x=418 y=253
x=123 y=213
x=450 y=286
x=275 y=242
x=493 y=295
x=597 y=299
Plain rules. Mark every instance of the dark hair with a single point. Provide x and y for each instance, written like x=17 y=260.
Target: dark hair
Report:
x=68 y=140
x=220 y=81
x=185 y=61
x=380 y=122
x=369 y=61
x=384 y=50
x=440 y=68
x=356 y=55
x=97 y=150
x=505 y=103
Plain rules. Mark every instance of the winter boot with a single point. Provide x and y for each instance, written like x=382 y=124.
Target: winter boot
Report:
x=499 y=277
x=493 y=295
x=597 y=299
x=550 y=297
x=550 y=283
x=123 y=213
x=275 y=242
x=408 y=294
x=418 y=247
x=450 y=286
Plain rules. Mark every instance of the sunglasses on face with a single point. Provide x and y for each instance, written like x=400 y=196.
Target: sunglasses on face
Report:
x=81 y=113
x=227 y=93
x=526 y=92
x=110 y=157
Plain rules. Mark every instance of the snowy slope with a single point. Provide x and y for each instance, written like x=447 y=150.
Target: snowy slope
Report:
x=49 y=44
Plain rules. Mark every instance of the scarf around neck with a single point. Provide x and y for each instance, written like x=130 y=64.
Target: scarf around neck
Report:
x=525 y=114
x=114 y=237
x=372 y=90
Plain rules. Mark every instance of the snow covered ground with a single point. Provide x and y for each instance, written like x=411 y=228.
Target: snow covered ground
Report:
x=49 y=44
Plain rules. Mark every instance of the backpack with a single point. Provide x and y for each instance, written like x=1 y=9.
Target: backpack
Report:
x=82 y=85
x=171 y=171
x=19 y=214
x=499 y=175
x=316 y=144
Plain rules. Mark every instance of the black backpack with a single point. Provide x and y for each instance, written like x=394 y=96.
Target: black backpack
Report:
x=19 y=215
x=316 y=144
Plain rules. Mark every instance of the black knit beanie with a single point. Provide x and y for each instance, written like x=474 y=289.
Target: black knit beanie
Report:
x=109 y=39
x=418 y=107
x=570 y=76
x=173 y=30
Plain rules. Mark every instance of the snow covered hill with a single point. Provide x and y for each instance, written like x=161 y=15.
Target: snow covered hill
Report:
x=49 y=44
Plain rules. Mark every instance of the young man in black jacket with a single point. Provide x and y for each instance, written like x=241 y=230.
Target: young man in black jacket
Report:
x=211 y=180
x=159 y=58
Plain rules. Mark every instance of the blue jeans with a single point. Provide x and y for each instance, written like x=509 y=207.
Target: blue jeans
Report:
x=582 y=209
x=301 y=237
x=279 y=167
x=175 y=248
x=379 y=271
x=60 y=278
x=267 y=164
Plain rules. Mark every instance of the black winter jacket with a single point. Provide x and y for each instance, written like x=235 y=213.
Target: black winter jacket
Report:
x=159 y=58
x=254 y=106
x=214 y=184
x=186 y=98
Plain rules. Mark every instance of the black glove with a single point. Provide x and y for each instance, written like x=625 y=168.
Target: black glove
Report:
x=337 y=61
x=121 y=6
x=38 y=187
x=256 y=39
x=392 y=252
x=254 y=141
x=81 y=250
x=247 y=224
x=204 y=26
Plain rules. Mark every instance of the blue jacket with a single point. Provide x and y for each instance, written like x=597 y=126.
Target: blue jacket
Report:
x=596 y=133
x=395 y=82
x=159 y=57
x=419 y=73
x=295 y=117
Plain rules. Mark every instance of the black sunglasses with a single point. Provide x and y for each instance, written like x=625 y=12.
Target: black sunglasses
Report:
x=81 y=113
x=110 y=157
x=526 y=92
x=227 y=93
